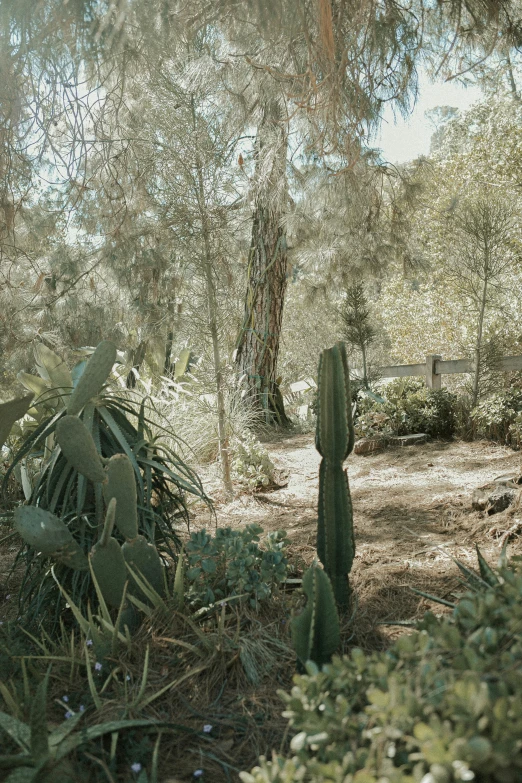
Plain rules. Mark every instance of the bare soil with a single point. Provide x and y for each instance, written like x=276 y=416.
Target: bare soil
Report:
x=412 y=516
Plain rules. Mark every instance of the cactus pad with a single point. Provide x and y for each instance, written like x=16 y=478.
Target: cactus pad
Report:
x=94 y=376
x=121 y=485
x=109 y=569
x=10 y=412
x=49 y=535
x=143 y=557
x=78 y=448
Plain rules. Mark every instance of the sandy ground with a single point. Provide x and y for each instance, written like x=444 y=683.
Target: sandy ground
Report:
x=412 y=515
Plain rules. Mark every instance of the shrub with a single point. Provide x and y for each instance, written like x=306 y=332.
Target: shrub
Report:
x=232 y=563
x=406 y=406
x=251 y=463
x=499 y=417
x=442 y=705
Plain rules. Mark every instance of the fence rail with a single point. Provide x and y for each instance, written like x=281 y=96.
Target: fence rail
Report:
x=435 y=367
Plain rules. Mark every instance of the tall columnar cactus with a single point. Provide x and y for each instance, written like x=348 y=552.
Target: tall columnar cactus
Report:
x=334 y=441
x=315 y=632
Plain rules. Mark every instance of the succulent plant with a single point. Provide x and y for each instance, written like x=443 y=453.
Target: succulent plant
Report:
x=79 y=449
x=10 y=412
x=94 y=376
x=315 y=632
x=110 y=562
x=49 y=535
x=334 y=441
x=74 y=451
x=121 y=484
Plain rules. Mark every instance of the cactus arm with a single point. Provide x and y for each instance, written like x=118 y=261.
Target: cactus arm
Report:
x=315 y=632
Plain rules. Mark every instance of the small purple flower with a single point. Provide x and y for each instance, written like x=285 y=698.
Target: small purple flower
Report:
x=98 y=667
x=69 y=714
x=65 y=699
x=89 y=642
x=198 y=773
x=82 y=708
x=136 y=767
x=207 y=728
x=8 y=596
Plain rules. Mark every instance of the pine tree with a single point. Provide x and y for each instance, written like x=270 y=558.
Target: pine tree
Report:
x=358 y=330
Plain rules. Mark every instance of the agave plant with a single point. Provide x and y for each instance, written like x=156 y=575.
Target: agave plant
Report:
x=119 y=422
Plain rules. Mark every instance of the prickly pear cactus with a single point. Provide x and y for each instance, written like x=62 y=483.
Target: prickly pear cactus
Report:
x=108 y=563
x=334 y=441
x=112 y=565
x=94 y=376
x=10 y=412
x=121 y=484
x=49 y=535
x=79 y=449
x=315 y=632
x=143 y=558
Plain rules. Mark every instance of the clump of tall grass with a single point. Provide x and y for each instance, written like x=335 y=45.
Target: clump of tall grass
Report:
x=190 y=407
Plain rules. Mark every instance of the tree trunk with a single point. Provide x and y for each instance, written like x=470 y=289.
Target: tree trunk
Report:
x=258 y=342
x=365 y=367
x=478 y=342
x=137 y=360
x=167 y=365
x=212 y=307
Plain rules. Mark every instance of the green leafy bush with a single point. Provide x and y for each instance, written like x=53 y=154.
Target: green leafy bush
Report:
x=373 y=423
x=232 y=563
x=499 y=417
x=405 y=406
x=442 y=705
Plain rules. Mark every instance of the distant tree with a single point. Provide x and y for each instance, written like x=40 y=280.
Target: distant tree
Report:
x=484 y=246
x=358 y=329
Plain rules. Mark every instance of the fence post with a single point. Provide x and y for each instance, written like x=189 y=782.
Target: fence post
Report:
x=433 y=380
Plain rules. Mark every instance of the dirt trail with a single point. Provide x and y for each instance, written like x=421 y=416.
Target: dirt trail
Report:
x=412 y=511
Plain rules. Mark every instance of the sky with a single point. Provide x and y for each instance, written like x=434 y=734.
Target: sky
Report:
x=403 y=140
